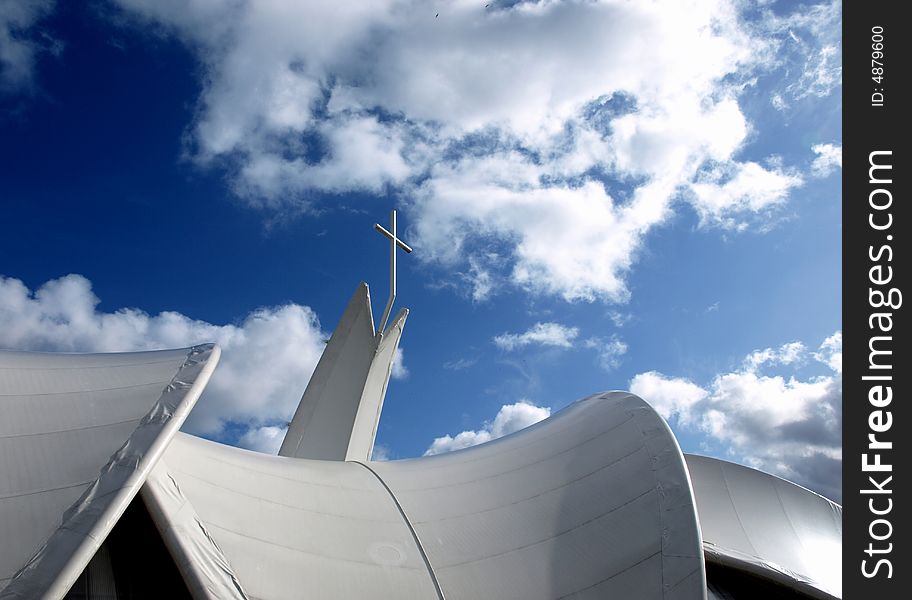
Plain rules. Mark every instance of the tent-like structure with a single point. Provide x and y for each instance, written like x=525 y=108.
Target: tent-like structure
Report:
x=102 y=497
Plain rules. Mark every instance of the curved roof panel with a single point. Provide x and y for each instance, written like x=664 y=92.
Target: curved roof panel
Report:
x=592 y=502
x=768 y=526
x=241 y=522
x=78 y=436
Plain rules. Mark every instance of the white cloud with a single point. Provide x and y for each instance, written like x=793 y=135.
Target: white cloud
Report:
x=284 y=342
x=572 y=241
x=507 y=126
x=784 y=425
x=18 y=43
x=480 y=279
x=724 y=198
x=460 y=364
x=510 y=418
x=266 y=439
x=786 y=354
x=364 y=155
x=830 y=352
x=670 y=396
x=543 y=334
x=382 y=452
x=810 y=49
x=609 y=350
x=399 y=370
x=778 y=102
x=829 y=159
x=620 y=319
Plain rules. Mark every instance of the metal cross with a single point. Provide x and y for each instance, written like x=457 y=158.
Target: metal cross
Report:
x=394 y=241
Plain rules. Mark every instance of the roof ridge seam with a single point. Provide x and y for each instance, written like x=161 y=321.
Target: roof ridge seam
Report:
x=408 y=523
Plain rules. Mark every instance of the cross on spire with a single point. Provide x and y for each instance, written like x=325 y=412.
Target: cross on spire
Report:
x=394 y=241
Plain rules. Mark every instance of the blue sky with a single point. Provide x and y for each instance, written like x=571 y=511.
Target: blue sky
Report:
x=600 y=196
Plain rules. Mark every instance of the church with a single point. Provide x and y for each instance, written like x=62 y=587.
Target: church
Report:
x=102 y=497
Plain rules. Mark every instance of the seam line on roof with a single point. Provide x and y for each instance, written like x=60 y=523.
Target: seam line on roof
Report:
x=247 y=536
x=295 y=507
x=788 y=519
x=91 y=391
x=85 y=427
x=83 y=368
x=624 y=570
x=541 y=493
x=737 y=513
x=555 y=428
x=260 y=471
x=44 y=491
x=556 y=535
x=685 y=577
x=408 y=524
x=657 y=484
x=573 y=448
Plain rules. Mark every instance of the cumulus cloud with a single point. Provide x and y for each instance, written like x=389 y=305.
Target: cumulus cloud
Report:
x=19 y=44
x=609 y=351
x=670 y=396
x=382 y=452
x=786 y=354
x=828 y=159
x=830 y=352
x=784 y=425
x=399 y=370
x=574 y=241
x=725 y=197
x=510 y=126
x=266 y=439
x=284 y=342
x=510 y=418
x=542 y=334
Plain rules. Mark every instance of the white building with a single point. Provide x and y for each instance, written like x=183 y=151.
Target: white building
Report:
x=102 y=497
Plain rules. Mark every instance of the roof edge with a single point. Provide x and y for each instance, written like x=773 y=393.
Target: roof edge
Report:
x=51 y=572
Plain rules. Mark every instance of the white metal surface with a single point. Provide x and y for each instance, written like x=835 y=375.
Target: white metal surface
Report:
x=202 y=564
x=338 y=414
x=768 y=526
x=322 y=424
x=289 y=528
x=78 y=436
x=367 y=419
x=593 y=502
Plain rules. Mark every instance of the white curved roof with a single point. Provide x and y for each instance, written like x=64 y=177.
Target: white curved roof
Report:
x=78 y=436
x=241 y=522
x=593 y=502
x=768 y=526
